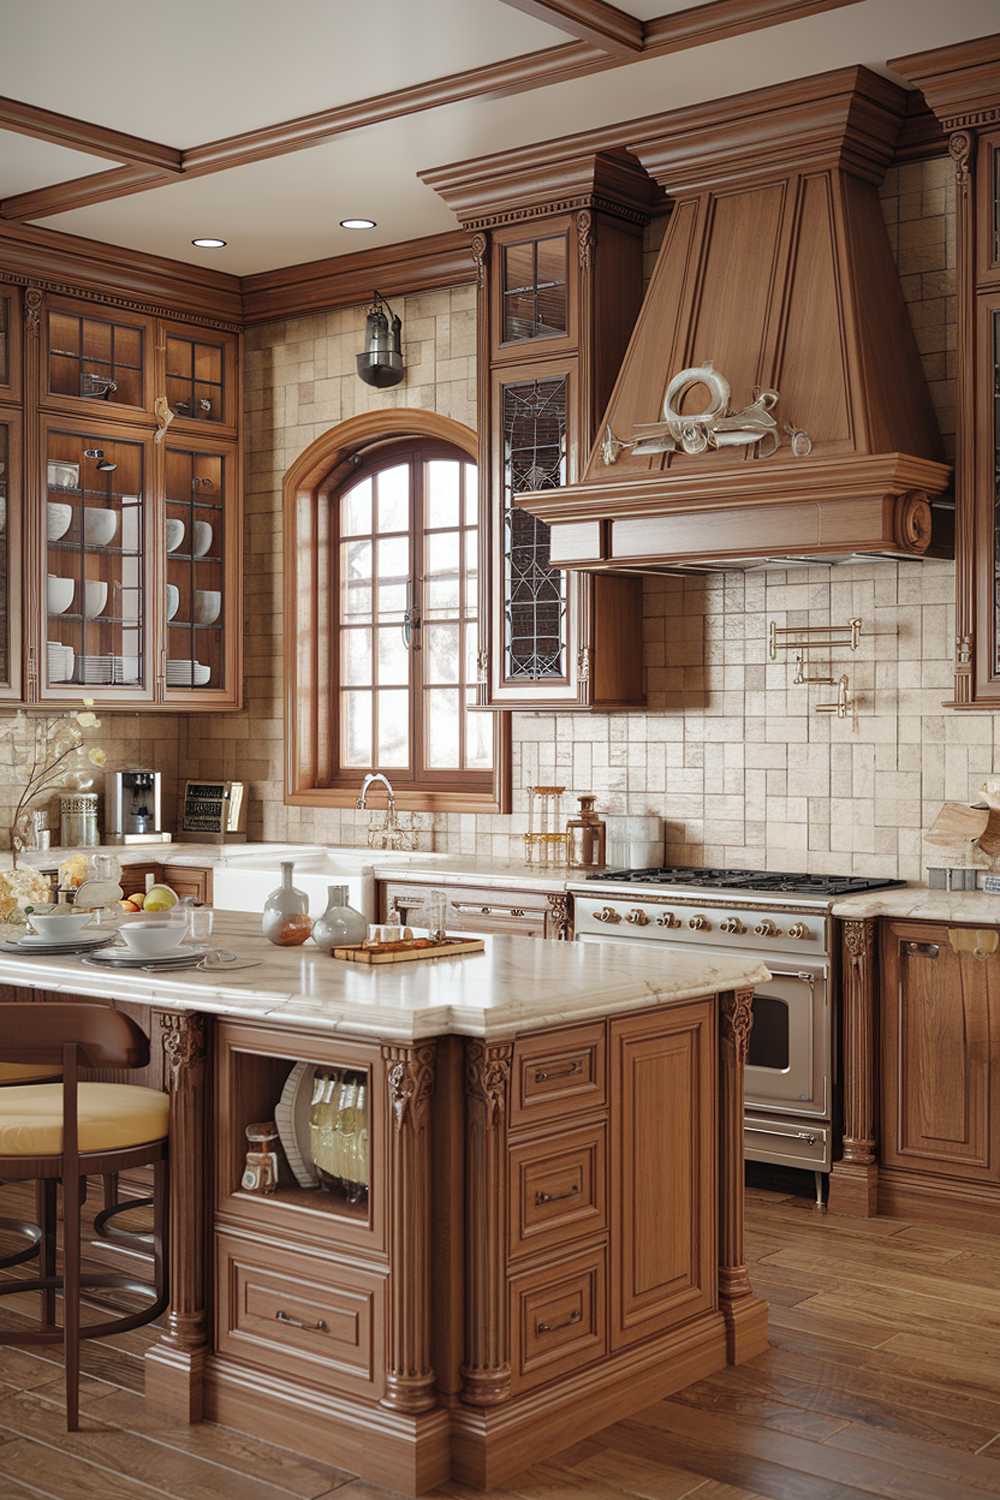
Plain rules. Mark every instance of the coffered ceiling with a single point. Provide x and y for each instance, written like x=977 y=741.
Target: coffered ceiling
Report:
x=265 y=124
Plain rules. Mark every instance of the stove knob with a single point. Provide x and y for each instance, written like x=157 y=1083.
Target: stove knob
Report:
x=700 y=924
x=637 y=917
x=798 y=930
x=607 y=914
x=667 y=920
x=734 y=925
x=767 y=928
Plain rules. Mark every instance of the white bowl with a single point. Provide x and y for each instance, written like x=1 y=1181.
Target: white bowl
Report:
x=207 y=604
x=60 y=925
x=153 y=939
x=99 y=526
x=95 y=597
x=59 y=594
x=58 y=519
x=201 y=538
x=63 y=475
x=173 y=600
x=175 y=535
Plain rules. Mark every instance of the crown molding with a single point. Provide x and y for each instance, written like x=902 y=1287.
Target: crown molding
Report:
x=593 y=21
x=961 y=84
x=437 y=261
x=556 y=177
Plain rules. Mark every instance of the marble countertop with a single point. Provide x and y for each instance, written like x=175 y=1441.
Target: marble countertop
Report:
x=472 y=869
x=188 y=854
x=920 y=904
x=517 y=984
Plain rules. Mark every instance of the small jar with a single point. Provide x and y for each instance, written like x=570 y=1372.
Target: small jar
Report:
x=340 y=926
x=586 y=837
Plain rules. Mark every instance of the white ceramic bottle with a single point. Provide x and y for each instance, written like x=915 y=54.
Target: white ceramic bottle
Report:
x=285 y=920
x=340 y=926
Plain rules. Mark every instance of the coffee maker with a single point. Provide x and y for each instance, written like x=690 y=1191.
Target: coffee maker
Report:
x=132 y=808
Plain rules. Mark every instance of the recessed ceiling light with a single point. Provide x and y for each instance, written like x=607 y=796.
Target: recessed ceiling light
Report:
x=209 y=244
x=357 y=223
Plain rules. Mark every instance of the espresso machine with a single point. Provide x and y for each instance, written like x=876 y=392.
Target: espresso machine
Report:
x=132 y=808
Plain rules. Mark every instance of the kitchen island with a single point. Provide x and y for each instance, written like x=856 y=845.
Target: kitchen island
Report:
x=542 y=1233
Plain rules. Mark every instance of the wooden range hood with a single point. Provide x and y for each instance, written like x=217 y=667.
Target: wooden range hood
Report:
x=777 y=268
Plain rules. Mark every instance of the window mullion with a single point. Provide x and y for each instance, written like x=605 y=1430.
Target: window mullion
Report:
x=417 y=542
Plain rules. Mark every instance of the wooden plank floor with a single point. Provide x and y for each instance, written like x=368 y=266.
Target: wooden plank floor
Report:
x=882 y=1379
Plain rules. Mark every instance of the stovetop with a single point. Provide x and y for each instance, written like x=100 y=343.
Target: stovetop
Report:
x=765 y=882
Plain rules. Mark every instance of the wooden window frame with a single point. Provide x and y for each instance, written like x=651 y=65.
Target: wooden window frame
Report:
x=312 y=775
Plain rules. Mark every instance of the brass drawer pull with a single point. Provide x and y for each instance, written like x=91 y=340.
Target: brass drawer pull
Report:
x=290 y=1322
x=557 y=1197
x=574 y=1317
x=544 y=1074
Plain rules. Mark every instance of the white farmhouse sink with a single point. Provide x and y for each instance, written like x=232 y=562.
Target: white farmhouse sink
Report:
x=242 y=882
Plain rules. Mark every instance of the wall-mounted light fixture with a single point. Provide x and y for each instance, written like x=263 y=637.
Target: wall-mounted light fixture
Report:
x=381 y=363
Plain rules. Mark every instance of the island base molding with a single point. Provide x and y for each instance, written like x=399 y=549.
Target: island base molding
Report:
x=916 y=1195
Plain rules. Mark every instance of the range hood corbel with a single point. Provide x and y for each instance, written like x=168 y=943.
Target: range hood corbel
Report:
x=776 y=267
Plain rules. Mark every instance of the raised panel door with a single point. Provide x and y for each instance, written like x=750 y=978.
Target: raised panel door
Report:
x=663 y=1261
x=940 y=1051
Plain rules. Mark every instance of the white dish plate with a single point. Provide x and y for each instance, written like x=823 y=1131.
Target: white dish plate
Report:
x=291 y=1116
x=37 y=940
x=118 y=957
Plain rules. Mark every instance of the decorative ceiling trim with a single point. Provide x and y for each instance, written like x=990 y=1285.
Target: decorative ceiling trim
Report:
x=82 y=135
x=960 y=83
x=694 y=27
x=593 y=21
x=510 y=187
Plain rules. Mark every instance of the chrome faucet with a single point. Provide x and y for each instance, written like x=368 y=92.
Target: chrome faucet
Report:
x=366 y=786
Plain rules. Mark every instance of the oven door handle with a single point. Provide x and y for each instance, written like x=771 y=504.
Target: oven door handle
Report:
x=789 y=1135
x=803 y=974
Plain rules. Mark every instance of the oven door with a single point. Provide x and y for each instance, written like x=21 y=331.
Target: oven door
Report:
x=789 y=1064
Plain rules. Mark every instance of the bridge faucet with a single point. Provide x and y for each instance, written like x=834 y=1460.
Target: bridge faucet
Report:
x=366 y=786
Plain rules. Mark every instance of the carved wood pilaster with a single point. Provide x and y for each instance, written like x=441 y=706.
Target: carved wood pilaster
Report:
x=745 y=1315
x=961 y=148
x=486 y=1371
x=481 y=256
x=174 y=1364
x=410 y=1088
x=860 y=1041
x=557 y=918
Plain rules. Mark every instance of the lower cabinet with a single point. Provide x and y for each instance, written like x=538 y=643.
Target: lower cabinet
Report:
x=940 y=1049
x=186 y=880
x=558 y=1320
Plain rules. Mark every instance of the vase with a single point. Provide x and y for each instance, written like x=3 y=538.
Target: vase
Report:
x=340 y=926
x=286 y=921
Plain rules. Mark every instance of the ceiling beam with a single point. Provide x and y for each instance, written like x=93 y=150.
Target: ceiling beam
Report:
x=696 y=26
x=82 y=135
x=593 y=21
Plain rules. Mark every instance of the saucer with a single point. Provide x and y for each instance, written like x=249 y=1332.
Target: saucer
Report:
x=82 y=939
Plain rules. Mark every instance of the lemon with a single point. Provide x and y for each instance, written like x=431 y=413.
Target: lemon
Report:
x=160 y=898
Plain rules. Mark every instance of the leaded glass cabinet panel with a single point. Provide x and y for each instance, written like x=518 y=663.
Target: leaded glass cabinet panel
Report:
x=533 y=415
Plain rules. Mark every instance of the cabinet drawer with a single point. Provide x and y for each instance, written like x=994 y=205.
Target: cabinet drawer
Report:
x=189 y=881
x=557 y=1189
x=309 y=1320
x=558 y=1073
x=557 y=1319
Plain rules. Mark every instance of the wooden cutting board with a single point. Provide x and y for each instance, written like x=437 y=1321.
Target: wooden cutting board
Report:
x=405 y=953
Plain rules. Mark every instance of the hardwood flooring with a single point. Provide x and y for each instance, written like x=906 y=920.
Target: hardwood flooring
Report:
x=882 y=1379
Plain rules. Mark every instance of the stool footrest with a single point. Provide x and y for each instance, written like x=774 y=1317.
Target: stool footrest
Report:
x=94 y=1281
x=31 y=1232
x=132 y=1239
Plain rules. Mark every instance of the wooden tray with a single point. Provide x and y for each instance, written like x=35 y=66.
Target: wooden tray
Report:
x=408 y=951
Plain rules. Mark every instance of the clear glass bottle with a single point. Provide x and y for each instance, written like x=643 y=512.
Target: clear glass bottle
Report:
x=286 y=921
x=340 y=926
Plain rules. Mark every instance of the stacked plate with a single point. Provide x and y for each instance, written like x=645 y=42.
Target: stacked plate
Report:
x=107 y=670
x=60 y=661
x=123 y=958
x=187 y=674
x=33 y=943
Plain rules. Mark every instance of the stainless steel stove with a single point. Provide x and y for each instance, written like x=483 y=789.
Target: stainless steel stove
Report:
x=782 y=920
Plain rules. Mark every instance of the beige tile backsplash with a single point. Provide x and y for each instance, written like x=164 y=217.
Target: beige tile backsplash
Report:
x=730 y=752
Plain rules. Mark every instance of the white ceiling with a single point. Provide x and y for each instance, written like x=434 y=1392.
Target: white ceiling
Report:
x=26 y=163
x=286 y=210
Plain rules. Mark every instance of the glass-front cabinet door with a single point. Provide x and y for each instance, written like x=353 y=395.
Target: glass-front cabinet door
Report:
x=95 y=581
x=96 y=359
x=10 y=554
x=534 y=291
x=10 y=342
x=200 y=557
x=533 y=615
x=199 y=377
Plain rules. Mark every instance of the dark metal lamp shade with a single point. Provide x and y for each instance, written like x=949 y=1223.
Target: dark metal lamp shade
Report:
x=381 y=362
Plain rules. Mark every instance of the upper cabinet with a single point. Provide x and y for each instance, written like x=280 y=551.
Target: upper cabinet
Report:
x=559 y=246
x=120 y=506
x=961 y=84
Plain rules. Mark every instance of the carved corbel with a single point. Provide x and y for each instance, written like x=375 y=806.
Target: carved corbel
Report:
x=486 y=1376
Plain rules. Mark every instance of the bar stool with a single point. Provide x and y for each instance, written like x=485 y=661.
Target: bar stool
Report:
x=51 y=1132
x=10 y=1074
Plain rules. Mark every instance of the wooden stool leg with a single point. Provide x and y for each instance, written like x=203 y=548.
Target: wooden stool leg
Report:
x=48 y=1190
x=72 y=1190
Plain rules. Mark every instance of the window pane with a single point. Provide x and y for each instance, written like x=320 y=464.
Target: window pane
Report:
x=394 y=728
x=393 y=575
x=471 y=572
x=394 y=499
x=441 y=577
x=441 y=501
x=471 y=495
x=441 y=653
x=471 y=651
x=356 y=728
x=355 y=580
x=478 y=737
x=393 y=657
x=356 y=510
x=356 y=658
x=442 y=708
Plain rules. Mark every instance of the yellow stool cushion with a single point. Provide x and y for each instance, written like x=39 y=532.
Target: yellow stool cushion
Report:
x=26 y=1073
x=111 y=1116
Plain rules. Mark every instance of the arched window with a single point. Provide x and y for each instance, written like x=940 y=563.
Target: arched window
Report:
x=382 y=595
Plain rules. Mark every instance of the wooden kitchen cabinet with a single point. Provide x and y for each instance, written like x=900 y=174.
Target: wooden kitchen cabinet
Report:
x=186 y=880
x=11 y=513
x=10 y=342
x=940 y=1056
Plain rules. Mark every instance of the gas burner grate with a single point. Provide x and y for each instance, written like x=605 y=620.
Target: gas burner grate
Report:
x=766 y=882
